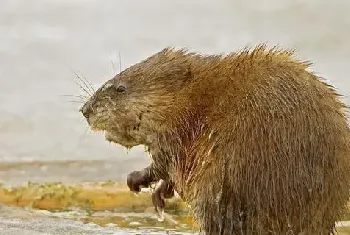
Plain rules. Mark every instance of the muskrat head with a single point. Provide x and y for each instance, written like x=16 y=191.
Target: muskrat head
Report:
x=133 y=105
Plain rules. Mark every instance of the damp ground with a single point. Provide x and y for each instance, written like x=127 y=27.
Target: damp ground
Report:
x=57 y=208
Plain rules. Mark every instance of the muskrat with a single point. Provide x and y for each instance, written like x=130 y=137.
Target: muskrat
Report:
x=253 y=141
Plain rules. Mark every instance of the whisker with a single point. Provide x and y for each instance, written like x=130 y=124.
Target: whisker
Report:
x=120 y=62
x=83 y=80
x=75 y=101
x=113 y=66
x=84 y=89
x=89 y=83
x=79 y=85
x=88 y=89
x=80 y=97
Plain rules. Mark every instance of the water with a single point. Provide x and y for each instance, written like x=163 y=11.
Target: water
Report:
x=41 y=42
x=14 y=221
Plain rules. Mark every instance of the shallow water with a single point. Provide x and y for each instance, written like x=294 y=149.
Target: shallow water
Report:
x=42 y=136
x=87 y=208
x=28 y=222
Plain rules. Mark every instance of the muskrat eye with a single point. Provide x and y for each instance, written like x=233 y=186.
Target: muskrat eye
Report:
x=121 y=88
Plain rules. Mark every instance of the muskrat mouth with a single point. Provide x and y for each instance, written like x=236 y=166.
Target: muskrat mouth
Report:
x=97 y=124
x=115 y=135
x=125 y=139
x=95 y=128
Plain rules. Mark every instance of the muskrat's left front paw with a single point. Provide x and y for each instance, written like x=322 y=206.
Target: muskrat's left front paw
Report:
x=138 y=179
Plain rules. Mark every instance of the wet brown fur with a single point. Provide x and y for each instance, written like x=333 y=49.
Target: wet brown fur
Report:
x=255 y=143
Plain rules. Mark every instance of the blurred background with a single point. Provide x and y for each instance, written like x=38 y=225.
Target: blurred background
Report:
x=44 y=138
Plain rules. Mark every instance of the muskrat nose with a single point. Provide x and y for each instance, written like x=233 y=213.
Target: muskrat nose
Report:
x=85 y=110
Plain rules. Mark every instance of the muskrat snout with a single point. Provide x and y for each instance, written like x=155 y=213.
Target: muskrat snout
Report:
x=86 y=110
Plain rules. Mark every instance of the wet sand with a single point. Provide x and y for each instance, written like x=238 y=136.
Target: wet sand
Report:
x=86 y=208
x=92 y=208
x=16 y=221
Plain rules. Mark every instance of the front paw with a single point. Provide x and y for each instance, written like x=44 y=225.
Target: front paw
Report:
x=163 y=190
x=138 y=179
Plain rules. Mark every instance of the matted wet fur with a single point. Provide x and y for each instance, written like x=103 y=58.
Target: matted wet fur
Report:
x=254 y=142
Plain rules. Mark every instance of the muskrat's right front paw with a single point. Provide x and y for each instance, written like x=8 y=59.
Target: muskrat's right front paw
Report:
x=138 y=179
x=163 y=190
